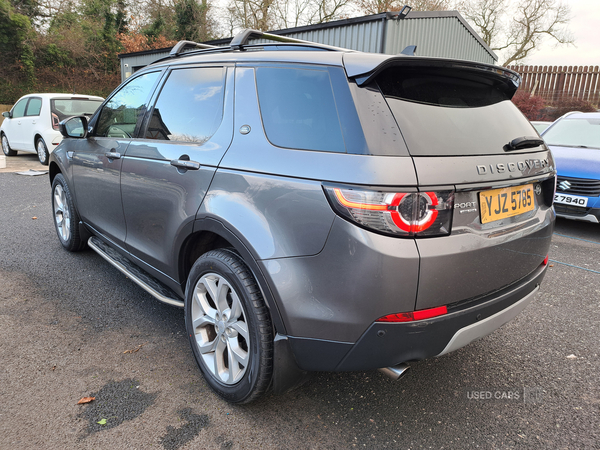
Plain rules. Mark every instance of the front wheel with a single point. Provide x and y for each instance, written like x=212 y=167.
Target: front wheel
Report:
x=66 y=219
x=42 y=151
x=6 y=147
x=229 y=326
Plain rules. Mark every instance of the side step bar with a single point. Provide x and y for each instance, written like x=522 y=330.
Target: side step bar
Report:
x=143 y=279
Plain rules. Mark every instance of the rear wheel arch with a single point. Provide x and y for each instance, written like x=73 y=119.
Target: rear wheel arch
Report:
x=211 y=234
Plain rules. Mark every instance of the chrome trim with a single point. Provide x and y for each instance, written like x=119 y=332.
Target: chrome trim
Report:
x=136 y=280
x=587 y=218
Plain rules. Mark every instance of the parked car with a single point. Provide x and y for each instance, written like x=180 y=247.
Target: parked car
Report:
x=540 y=125
x=32 y=124
x=575 y=143
x=313 y=208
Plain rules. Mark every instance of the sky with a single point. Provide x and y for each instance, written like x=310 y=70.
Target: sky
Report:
x=585 y=27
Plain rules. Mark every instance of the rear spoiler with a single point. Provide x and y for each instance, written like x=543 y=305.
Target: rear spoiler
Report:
x=364 y=68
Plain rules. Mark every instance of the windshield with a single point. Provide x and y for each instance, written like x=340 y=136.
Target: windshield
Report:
x=580 y=132
x=74 y=107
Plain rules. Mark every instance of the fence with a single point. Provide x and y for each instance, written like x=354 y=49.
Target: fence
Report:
x=557 y=83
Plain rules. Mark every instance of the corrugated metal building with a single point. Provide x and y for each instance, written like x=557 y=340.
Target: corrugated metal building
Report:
x=443 y=34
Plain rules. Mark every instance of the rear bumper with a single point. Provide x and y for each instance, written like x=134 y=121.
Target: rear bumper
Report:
x=578 y=213
x=389 y=344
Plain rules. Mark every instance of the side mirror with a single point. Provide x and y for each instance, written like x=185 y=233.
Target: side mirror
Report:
x=7 y=114
x=74 y=127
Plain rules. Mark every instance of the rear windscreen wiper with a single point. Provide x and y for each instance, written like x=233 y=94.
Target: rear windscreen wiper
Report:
x=523 y=142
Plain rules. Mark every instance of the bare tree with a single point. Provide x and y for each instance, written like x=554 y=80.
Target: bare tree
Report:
x=516 y=29
x=379 y=6
x=255 y=14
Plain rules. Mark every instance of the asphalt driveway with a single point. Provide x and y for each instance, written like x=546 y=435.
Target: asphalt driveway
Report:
x=71 y=326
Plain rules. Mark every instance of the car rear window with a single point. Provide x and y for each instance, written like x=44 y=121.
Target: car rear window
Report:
x=576 y=132
x=66 y=107
x=448 y=112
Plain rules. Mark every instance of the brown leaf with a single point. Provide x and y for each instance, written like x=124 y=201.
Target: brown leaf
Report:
x=85 y=400
x=133 y=350
x=34 y=218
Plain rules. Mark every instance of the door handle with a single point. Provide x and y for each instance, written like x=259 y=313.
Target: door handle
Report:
x=183 y=164
x=112 y=155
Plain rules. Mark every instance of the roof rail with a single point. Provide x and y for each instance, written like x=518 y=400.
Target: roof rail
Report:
x=182 y=45
x=244 y=36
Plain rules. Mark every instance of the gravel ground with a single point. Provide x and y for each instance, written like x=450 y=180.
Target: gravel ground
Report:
x=71 y=326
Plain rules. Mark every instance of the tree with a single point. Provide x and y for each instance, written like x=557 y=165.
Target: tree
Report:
x=192 y=21
x=15 y=48
x=255 y=14
x=379 y=6
x=516 y=29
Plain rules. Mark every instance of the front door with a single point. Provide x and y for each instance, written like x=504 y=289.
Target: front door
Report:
x=97 y=160
x=13 y=125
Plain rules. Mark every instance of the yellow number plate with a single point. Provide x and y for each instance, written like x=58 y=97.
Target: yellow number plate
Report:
x=508 y=202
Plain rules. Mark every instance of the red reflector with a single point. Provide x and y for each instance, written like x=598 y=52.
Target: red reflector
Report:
x=545 y=261
x=416 y=315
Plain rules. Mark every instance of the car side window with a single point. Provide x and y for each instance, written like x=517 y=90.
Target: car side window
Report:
x=121 y=114
x=298 y=109
x=19 y=109
x=34 y=107
x=190 y=106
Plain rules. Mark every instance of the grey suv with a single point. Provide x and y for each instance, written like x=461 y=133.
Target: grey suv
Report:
x=312 y=208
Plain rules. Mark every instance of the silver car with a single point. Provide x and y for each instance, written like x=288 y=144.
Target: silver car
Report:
x=313 y=208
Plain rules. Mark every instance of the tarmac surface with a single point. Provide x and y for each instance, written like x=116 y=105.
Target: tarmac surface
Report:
x=72 y=326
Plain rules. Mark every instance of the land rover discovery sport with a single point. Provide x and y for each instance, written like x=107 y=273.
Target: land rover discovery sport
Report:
x=312 y=208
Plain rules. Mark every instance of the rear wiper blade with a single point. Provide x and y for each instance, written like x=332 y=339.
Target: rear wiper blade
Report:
x=523 y=142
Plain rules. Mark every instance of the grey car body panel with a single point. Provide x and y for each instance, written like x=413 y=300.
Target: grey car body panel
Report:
x=464 y=170
x=97 y=180
x=471 y=263
x=269 y=159
x=281 y=218
x=327 y=297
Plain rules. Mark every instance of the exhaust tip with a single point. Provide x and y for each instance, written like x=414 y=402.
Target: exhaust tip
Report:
x=395 y=372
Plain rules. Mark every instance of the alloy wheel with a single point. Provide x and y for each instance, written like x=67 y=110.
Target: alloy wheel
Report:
x=220 y=328
x=41 y=151
x=62 y=214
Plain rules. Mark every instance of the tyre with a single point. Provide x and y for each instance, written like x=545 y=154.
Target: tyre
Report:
x=42 y=151
x=229 y=326
x=6 y=147
x=66 y=219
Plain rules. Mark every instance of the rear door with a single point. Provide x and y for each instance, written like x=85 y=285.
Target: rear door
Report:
x=464 y=133
x=167 y=172
x=29 y=123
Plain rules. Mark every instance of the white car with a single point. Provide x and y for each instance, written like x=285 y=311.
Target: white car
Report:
x=32 y=123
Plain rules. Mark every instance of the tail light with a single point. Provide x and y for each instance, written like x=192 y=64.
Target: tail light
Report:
x=402 y=214
x=55 y=121
x=415 y=315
